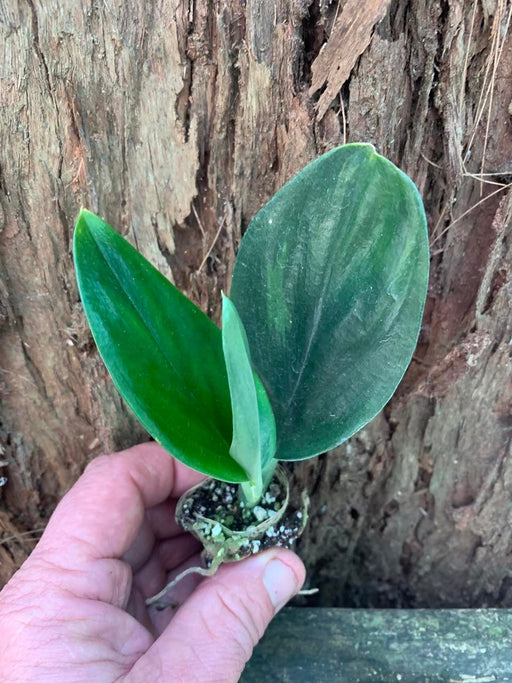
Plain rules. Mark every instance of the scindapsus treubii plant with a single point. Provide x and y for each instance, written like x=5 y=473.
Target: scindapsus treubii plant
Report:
x=324 y=312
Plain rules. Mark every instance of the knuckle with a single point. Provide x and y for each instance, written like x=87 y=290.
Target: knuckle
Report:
x=98 y=463
x=111 y=463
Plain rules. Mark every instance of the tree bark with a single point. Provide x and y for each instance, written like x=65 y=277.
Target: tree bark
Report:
x=176 y=121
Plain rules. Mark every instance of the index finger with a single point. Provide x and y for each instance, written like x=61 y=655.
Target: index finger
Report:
x=101 y=514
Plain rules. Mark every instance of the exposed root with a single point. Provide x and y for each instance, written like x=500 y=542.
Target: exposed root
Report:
x=308 y=591
x=157 y=601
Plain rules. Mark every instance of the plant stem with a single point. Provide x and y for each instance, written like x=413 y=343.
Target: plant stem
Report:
x=251 y=493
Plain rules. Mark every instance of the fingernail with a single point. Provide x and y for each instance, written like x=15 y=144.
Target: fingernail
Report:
x=280 y=582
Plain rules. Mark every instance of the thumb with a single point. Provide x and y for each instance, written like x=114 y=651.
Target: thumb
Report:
x=213 y=634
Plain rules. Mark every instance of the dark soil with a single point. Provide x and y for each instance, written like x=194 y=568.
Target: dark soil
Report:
x=214 y=513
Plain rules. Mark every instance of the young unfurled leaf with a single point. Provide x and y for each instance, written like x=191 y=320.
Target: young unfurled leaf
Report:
x=163 y=353
x=253 y=443
x=330 y=282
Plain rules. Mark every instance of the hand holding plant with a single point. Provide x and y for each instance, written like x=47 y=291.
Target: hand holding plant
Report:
x=326 y=303
x=76 y=609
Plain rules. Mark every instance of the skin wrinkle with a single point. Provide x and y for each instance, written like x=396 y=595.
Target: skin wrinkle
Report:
x=36 y=606
x=24 y=586
x=253 y=615
x=116 y=588
x=139 y=503
x=185 y=653
x=121 y=643
x=255 y=608
x=42 y=556
x=47 y=636
x=198 y=656
x=66 y=539
x=118 y=582
x=246 y=644
x=206 y=625
x=194 y=655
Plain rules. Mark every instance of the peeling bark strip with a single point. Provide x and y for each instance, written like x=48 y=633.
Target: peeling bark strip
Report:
x=350 y=37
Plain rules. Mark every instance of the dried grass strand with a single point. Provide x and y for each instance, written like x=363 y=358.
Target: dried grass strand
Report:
x=465 y=213
x=21 y=535
x=497 y=57
x=486 y=98
x=466 y=57
x=217 y=234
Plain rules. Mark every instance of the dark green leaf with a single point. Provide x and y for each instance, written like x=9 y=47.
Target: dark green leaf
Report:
x=164 y=355
x=330 y=283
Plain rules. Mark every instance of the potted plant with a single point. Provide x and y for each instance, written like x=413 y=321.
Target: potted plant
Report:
x=323 y=316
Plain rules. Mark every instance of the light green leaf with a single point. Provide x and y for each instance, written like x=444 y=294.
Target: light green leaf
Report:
x=253 y=443
x=245 y=446
x=267 y=424
x=163 y=353
x=330 y=283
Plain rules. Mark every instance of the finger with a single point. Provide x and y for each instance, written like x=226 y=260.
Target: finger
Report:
x=162 y=520
x=152 y=577
x=176 y=550
x=101 y=515
x=141 y=549
x=159 y=524
x=160 y=619
x=156 y=621
x=215 y=631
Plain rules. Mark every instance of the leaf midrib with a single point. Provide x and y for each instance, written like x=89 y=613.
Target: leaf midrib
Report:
x=317 y=316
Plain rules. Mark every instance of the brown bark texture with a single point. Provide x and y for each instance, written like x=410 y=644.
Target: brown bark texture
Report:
x=176 y=120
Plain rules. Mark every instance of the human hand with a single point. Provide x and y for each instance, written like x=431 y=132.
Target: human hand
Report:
x=76 y=609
